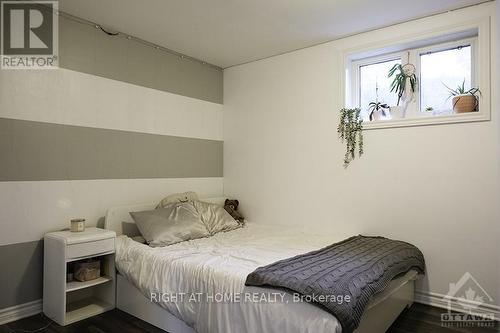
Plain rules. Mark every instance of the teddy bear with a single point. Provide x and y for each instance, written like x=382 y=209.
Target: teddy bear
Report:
x=231 y=206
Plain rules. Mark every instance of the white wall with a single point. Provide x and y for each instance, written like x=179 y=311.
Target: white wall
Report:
x=435 y=186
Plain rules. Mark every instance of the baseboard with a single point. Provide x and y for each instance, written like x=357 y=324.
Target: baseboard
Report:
x=444 y=301
x=20 y=311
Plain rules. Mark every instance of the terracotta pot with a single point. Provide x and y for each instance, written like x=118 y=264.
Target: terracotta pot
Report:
x=464 y=103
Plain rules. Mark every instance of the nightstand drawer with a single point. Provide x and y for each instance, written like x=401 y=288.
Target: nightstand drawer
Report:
x=90 y=248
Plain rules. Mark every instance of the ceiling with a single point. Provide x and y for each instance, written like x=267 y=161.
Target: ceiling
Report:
x=231 y=32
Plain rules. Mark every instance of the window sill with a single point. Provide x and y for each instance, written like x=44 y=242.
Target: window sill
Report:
x=424 y=121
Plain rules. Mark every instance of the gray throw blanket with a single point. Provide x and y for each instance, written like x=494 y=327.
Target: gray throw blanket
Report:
x=356 y=268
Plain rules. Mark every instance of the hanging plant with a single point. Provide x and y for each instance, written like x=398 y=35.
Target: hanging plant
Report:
x=350 y=131
x=401 y=74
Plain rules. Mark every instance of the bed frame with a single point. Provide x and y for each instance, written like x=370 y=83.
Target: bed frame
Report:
x=378 y=317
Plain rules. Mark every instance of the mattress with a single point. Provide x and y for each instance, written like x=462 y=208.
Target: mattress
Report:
x=202 y=282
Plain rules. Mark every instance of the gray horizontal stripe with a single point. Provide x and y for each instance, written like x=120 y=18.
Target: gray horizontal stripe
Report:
x=43 y=151
x=22 y=270
x=86 y=49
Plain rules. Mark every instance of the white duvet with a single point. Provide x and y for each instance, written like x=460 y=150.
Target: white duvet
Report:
x=200 y=272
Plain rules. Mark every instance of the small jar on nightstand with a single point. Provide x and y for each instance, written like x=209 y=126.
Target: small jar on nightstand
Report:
x=66 y=301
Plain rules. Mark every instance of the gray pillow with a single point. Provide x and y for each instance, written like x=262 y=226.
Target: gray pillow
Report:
x=215 y=217
x=172 y=224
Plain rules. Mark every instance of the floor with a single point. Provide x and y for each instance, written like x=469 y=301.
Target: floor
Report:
x=418 y=319
x=427 y=319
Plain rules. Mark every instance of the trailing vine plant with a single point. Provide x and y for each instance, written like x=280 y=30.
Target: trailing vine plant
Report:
x=350 y=131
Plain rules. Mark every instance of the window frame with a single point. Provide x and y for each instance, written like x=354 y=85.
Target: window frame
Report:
x=436 y=29
x=415 y=57
x=411 y=55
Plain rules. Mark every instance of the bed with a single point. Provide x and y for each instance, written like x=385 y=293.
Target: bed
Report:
x=217 y=267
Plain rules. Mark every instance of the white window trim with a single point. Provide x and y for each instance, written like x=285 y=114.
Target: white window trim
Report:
x=482 y=74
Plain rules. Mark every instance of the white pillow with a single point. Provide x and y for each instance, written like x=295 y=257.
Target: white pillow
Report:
x=177 y=197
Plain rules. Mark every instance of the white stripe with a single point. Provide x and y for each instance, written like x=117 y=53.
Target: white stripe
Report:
x=63 y=96
x=31 y=209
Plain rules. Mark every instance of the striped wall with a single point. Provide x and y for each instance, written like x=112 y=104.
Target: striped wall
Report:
x=86 y=49
x=116 y=124
x=69 y=97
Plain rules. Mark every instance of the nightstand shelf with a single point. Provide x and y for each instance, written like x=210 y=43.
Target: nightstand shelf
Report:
x=76 y=285
x=68 y=302
x=85 y=308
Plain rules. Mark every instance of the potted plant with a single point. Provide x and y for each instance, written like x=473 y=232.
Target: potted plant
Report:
x=402 y=74
x=464 y=100
x=350 y=130
x=378 y=110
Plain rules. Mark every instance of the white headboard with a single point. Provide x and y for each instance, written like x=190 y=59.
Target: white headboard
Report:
x=119 y=220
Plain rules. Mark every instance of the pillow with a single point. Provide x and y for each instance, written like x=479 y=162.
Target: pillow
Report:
x=130 y=229
x=139 y=239
x=215 y=217
x=172 y=224
x=177 y=197
x=215 y=200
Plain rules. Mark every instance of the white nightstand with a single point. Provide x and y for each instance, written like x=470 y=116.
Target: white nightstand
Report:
x=67 y=302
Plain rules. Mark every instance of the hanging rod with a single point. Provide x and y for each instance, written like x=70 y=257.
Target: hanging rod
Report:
x=119 y=34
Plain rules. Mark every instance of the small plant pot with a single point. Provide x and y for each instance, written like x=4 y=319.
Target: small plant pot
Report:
x=464 y=103
x=378 y=115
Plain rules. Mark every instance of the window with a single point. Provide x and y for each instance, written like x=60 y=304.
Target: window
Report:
x=374 y=85
x=439 y=69
x=441 y=61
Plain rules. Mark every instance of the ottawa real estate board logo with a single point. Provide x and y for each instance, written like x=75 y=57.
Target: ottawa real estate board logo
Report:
x=29 y=36
x=469 y=305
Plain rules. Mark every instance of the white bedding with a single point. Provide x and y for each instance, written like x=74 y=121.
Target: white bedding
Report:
x=219 y=266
